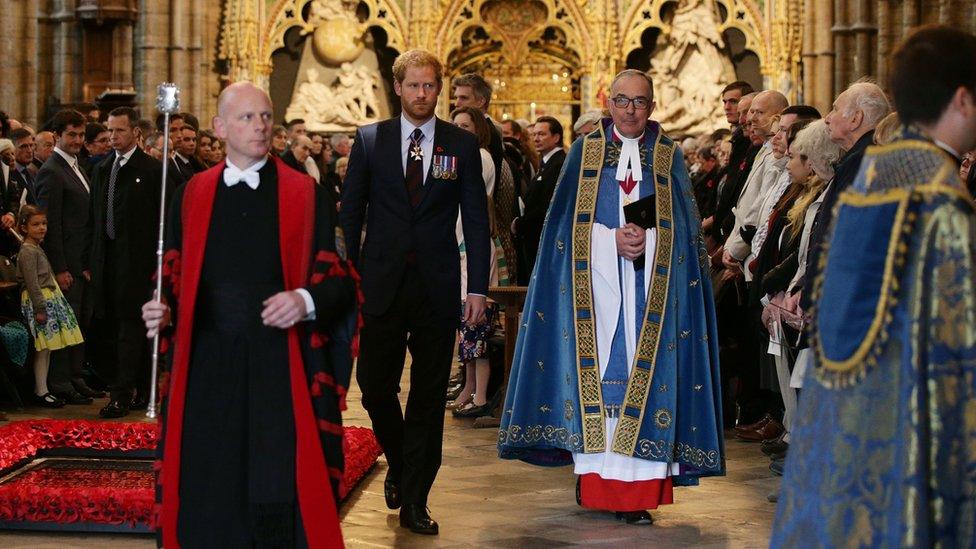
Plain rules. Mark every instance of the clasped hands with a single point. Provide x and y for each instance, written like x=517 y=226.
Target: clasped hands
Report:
x=282 y=310
x=631 y=240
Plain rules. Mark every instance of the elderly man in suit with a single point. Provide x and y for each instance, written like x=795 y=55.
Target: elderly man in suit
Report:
x=63 y=190
x=411 y=272
x=125 y=220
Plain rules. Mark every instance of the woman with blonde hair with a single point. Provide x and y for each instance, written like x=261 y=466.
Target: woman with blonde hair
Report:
x=812 y=156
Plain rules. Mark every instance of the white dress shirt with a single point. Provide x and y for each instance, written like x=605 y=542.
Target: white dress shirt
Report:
x=125 y=156
x=426 y=145
x=73 y=162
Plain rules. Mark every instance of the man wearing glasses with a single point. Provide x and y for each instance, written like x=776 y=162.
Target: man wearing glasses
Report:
x=621 y=301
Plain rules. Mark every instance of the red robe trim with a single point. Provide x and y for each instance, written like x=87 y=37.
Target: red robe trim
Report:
x=296 y=208
x=597 y=492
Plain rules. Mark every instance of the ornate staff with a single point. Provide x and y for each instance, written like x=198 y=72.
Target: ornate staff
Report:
x=167 y=102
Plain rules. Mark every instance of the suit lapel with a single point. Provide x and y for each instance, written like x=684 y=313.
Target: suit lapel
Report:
x=72 y=175
x=388 y=139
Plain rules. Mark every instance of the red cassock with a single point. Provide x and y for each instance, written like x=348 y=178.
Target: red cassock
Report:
x=314 y=430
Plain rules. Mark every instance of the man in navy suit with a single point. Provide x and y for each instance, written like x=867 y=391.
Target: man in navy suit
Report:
x=410 y=174
x=63 y=190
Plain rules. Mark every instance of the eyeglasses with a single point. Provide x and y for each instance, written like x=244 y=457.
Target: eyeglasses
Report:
x=622 y=101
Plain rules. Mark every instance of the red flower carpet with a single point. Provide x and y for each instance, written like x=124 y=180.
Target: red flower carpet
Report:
x=97 y=476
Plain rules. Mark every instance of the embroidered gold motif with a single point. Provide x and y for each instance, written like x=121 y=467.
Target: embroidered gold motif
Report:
x=590 y=393
x=663 y=418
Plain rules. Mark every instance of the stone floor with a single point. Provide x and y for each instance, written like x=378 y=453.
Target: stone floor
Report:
x=481 y=501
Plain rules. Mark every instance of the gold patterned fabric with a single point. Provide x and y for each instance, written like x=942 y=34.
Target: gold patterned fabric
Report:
x=884 y=446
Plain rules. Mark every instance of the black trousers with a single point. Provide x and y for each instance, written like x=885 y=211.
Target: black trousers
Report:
x=68 y=364
x=123 y=356
x=411 y=439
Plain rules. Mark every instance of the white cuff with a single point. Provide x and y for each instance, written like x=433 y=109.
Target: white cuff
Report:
x=309 y=304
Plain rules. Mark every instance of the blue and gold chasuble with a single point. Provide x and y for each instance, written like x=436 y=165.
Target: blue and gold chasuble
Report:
x=884 y=445
x=669 y=404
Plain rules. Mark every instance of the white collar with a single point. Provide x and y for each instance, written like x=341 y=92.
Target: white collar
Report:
x=942 y=145
x=126 y=156
x=72 y=160
x=407 y=127
x=183 y=158
x=548 y=155
x=629 y=157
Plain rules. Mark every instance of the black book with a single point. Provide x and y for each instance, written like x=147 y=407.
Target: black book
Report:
x=642 y=213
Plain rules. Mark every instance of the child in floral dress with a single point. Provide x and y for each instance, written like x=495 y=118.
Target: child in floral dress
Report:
x=51 y=321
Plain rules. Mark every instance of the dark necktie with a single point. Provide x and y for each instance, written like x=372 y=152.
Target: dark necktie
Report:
x=414 y=177
x=112 y=198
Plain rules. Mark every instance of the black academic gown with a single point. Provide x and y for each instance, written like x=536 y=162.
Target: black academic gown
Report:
x=237 y=455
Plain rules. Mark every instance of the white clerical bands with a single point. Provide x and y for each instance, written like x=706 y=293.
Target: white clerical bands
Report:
x=629 y=158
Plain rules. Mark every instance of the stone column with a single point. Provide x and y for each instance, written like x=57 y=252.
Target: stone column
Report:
x=824 y=78
x=151 y=53
x=809 y=52
x=18 y=58
x=840 y=32
x=122 y=50
x=884 y=43
x=66 y=52
x=863 y=30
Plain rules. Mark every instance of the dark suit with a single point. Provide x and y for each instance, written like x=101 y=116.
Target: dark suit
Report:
x=410 y=269
x=183 y=171
x=68 y=243
x=22 y=182
x=528 y=228
x=122 y=268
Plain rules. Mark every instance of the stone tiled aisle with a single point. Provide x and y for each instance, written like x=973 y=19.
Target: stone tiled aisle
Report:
x=481 y=501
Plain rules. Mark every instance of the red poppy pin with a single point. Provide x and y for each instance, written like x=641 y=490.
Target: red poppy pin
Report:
x=439 y=149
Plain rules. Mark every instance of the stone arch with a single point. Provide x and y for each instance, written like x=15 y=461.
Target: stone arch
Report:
x=460 y=16
x=743 y=15
x=287 y=14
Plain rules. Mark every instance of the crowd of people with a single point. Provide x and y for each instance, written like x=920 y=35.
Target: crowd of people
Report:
x=80 y=202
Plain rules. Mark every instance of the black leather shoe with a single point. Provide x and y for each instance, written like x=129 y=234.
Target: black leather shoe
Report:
x=114 y=409
x=48 y=400
x=454 y=391
x=74 y=397
x=139 y=402
x=415 y=518
x=391 y=491
x=635 y=517
x=86 y=391
x=472 y=410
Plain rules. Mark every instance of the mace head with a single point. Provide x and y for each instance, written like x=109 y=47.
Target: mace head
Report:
x=168 y=98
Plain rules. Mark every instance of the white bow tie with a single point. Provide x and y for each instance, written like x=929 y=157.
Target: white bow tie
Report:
x=234 y=175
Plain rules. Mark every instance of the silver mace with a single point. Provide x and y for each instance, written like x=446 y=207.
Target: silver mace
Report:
x=167 y=102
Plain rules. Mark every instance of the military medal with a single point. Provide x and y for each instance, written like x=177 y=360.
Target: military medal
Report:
x=444 y=167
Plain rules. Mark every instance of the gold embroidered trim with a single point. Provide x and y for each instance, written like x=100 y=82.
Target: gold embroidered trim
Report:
x=628 y=428
x=889 y=283
x=590 y=389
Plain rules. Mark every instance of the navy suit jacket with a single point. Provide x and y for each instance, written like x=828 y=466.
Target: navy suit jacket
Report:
x=397 y=234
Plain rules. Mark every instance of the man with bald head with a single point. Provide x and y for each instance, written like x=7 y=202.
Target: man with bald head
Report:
x=251 y=448
x=764 y=106
x=851 y=122
x=621 y=255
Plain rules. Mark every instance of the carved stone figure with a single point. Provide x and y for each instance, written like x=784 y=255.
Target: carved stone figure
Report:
x=691 y=70
x=347 y=103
